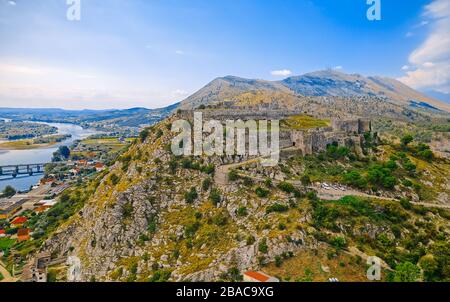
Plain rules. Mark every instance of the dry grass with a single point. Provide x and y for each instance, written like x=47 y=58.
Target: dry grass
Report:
x=308 y=266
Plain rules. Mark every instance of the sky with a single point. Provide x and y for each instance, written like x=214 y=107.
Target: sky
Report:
x=152 y=53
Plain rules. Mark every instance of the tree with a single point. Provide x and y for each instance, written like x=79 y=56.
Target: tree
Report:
x=407 y=139
x=407 y=272
x=64 y=151
x=306 y=180
x=429 y=266
x=144 y=134
x=9 y=192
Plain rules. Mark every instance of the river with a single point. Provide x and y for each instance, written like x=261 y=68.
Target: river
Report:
x=13 y=157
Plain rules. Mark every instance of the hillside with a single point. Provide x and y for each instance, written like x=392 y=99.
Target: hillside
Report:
x=317 y=84
x=155 y=217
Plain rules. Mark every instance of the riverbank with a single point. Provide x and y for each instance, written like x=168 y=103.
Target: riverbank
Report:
x=34 y=143
x=24 y=145
x=22 y=153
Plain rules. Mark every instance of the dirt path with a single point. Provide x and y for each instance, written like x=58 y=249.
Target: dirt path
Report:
x=6 y=275
x=221 y=178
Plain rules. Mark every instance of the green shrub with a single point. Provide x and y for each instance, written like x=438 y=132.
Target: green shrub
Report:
x=250 y=240
x=233 y=175
x=262 y=193
x=277 y=208
x=262 y=246
x=286 y=187
x=159 y=133
x=338 y=242
x=278 y=261
x=215 y=196
x=161 y=276
x=191 y=196
x=144 y=134
x=242 y=211
x=220 y=219
x=206 y=184
x=114 y=179
x=406 y=272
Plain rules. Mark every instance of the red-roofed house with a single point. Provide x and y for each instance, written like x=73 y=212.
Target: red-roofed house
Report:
x=19 y=221
x=23 y=235
x=2 y=233
x=99 y=167
x=49 y=180
x=82 y=162
x=258 y=277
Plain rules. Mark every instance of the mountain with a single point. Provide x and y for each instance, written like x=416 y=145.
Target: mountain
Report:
x=227 y=87
x=325 y=83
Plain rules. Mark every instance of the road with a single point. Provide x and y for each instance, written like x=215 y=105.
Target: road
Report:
x=221 y=177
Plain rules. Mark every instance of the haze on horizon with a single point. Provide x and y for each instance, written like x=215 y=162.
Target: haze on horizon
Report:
x=137 y=53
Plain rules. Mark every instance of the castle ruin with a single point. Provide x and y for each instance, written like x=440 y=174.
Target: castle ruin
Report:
x=342 y=132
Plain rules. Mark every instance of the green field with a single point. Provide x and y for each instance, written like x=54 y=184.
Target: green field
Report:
x=6 y=243
x=304 y=122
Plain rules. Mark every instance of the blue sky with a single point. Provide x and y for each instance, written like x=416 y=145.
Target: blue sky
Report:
x=152 y=53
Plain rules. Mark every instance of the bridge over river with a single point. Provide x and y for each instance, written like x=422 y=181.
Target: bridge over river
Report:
x=24 y=169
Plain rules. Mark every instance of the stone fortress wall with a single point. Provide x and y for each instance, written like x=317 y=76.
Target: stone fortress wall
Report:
x=342 y=132
x=348 y=132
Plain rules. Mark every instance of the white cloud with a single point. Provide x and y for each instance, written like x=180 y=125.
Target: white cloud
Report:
x=11 y=2
x=37 y=85
x=179 y=52
x=431 y=60
x=180 y=93
x=405 y=67
x=281 y=73
x=339 y=67
x=20 y=69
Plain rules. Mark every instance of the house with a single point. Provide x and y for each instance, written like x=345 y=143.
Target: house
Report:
x=99 y=167
x=82 y=162
x=74 y=171
x=2 y=233
x=9 y=207
x=49 y=203
x=19 y=221
x=48 y=180
x=36 y=270
x=259 y=277
x=40 y=209
x=23 y=235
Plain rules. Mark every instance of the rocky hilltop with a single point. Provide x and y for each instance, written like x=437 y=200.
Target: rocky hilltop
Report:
x=156 y=217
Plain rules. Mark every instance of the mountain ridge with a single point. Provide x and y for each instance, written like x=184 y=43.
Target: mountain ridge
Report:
x=325 y=83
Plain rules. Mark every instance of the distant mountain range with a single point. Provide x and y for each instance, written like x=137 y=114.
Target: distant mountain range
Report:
x=133 y=117
x=327 y=83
